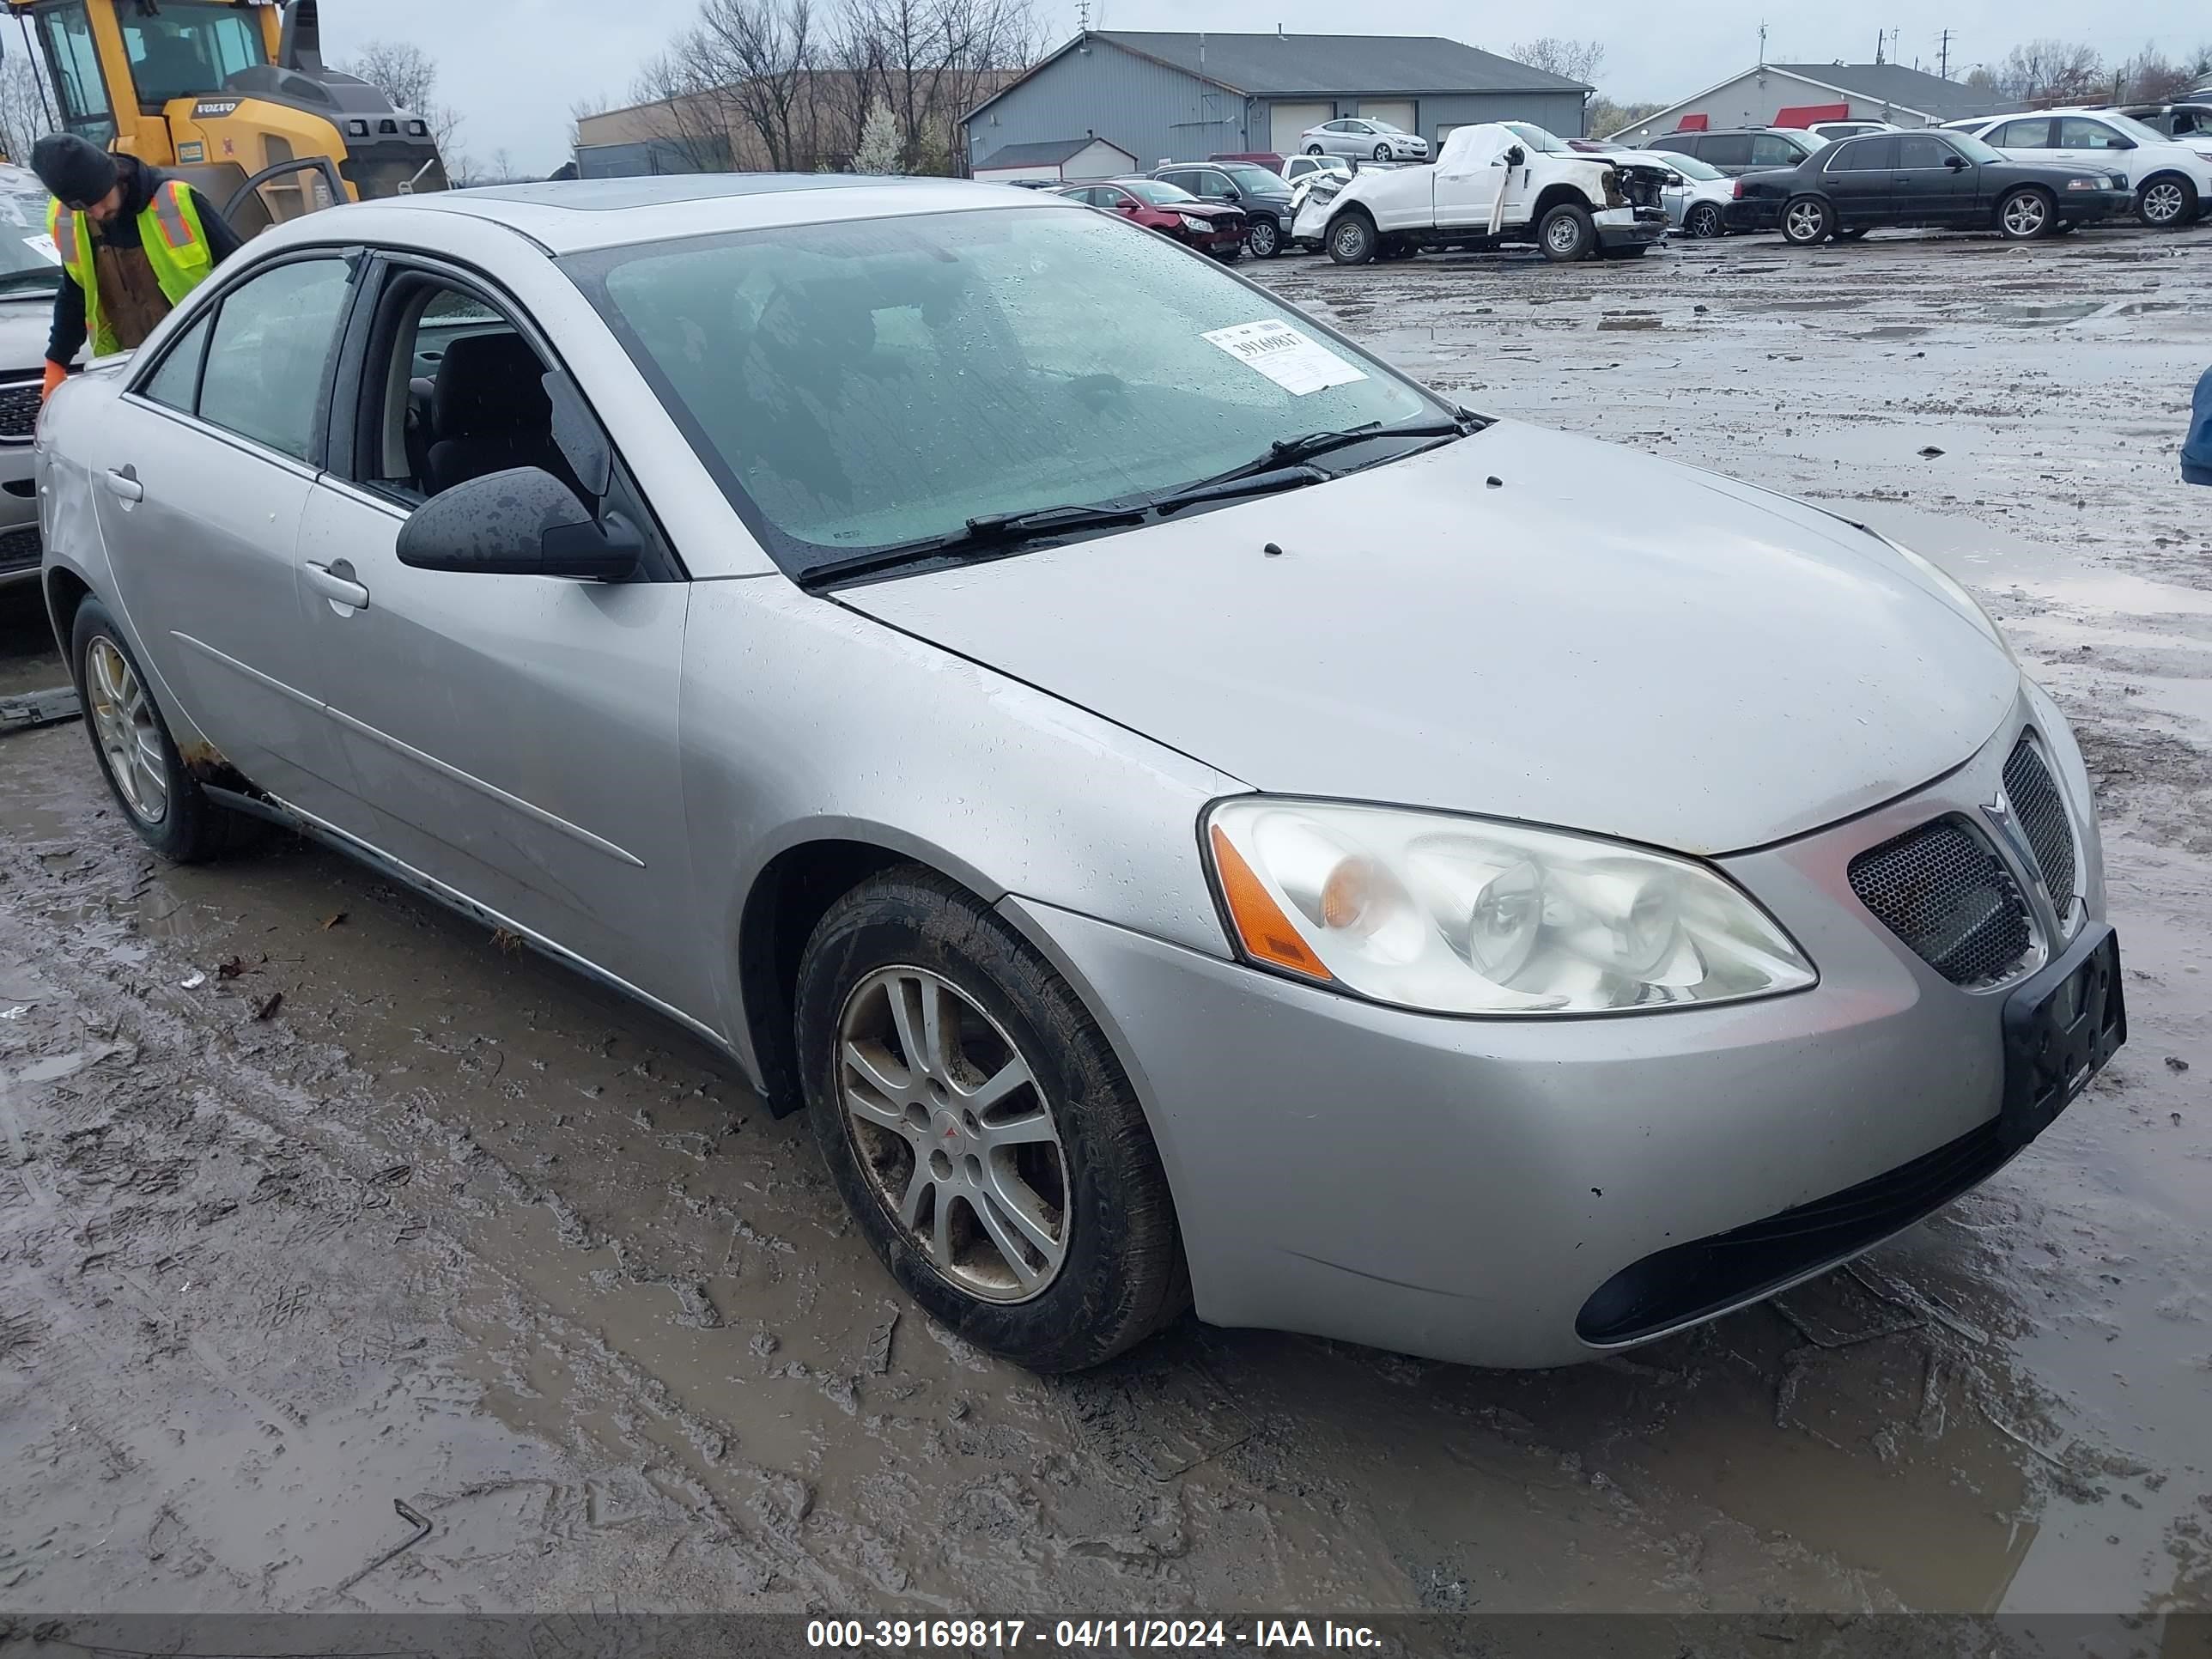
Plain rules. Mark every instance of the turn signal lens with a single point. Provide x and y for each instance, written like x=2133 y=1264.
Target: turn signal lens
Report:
x=1264 y=931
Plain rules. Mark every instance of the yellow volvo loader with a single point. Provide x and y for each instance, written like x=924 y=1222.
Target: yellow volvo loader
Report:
x=231 y=96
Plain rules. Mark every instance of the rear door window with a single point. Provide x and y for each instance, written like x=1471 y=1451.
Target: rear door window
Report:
x=1731 y=149
x=1864 y=155
x=2022 y=134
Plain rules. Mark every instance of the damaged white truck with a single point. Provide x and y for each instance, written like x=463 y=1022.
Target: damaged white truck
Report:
x=1486 y=189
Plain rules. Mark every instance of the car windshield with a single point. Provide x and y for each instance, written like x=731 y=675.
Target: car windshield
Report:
x=1537 y=138
x=1250 y=176
x=1690 y=167
x=1158 y=192
x=27 y=257
x=880 y=383
x=1972 y=147
x=2135 y=129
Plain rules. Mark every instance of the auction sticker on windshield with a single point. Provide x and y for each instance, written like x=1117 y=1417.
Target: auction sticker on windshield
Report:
x=1289 y=357
x=43 y=245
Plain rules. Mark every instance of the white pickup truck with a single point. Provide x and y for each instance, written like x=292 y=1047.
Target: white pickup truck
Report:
x=1489 y=187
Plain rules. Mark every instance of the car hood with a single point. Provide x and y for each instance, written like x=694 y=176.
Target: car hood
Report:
x=1521 y=623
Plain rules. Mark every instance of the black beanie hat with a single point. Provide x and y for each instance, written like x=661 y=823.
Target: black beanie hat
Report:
x=78 y=172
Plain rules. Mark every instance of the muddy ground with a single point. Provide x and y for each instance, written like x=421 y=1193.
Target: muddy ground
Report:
x=449 y=1228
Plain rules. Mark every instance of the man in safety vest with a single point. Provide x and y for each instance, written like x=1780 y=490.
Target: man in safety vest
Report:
x=132 y=244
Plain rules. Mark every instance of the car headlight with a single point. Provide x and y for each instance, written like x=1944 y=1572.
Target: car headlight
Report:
x=1192 y=222
x=1463 y=915
x=2083 y=184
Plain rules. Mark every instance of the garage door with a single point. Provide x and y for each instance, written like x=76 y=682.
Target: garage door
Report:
x=1398 y=111
x=1286 y=121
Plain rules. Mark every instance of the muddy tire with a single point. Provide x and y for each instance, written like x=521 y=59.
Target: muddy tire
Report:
x=1567 y=233
x=980 y=1129
x=2167 y=201
x=2025 y=215
x=137 y=756
x=1351 y=240
x=1265 y=239
x=1703 y=222
x=1806 y=222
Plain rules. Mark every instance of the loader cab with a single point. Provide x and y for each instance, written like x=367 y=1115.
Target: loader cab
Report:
x=233 y=97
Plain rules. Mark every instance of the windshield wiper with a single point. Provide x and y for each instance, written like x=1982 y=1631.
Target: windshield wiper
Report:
x=1285 y=452
x=989 y=530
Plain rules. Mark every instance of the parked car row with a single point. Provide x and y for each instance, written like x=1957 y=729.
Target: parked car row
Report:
x=2169 y=178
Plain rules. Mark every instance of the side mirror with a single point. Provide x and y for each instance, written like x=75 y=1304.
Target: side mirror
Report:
x=1955 y=161
x=2124 y=143
x=1515 y=156
x=1232 y=194
x=522 y=522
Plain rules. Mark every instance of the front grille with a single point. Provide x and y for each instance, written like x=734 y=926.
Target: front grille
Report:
x=19 y=409
x=2040 y=811
x=19 y=550
x=1942 y=890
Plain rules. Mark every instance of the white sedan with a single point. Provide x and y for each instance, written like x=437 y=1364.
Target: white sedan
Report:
x=1365 y=139
x=1699 y=205
x=2172 y=178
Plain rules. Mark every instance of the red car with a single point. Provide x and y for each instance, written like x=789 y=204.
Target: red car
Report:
x=1207 y=226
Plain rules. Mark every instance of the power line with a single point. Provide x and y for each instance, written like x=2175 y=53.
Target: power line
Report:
x=1943 y=60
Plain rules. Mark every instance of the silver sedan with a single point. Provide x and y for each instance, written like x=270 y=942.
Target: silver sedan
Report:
x=1191 y=816
x=1364 y=138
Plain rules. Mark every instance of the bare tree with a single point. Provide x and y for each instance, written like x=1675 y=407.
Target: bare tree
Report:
x=758 y=59
x=682 y=112
x=25 y=109
x=407 y=75
x=2048 y=72
x=1576 y=60
x=939 y=58
x=2150 y=77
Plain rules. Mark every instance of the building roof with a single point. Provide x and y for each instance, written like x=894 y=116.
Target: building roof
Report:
x=1913 y=91
x=1893 y=83
x=1287 y=65
x=1047 y=152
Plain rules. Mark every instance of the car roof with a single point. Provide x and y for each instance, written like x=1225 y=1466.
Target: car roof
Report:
x=577 y=215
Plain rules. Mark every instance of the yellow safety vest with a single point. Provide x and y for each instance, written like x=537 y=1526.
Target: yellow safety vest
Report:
x=176 y=247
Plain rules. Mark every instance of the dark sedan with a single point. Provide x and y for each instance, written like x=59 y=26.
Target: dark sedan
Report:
x=1263 y=198
x=1915 y=180
x=1158 y=205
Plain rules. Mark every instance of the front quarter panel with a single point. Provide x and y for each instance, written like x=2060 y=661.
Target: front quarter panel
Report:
x=804 y=721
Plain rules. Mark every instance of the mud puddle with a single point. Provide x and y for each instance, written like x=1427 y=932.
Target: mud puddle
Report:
x=453 y=1229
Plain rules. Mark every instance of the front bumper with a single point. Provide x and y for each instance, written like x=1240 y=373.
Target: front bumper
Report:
x=1464 y=1189
x=19 y=514
x=2090 y=207
x=1630 y=226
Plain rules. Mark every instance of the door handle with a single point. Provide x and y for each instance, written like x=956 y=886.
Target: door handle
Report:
x=335 y=582
x=122 y=483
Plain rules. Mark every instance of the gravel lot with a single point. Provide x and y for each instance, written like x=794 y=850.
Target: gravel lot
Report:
x=452 y=1228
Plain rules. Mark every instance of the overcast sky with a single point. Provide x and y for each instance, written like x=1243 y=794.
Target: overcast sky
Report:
x=512 y=67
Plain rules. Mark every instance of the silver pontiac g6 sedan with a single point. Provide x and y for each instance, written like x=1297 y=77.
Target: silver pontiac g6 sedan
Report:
x=1192 y=816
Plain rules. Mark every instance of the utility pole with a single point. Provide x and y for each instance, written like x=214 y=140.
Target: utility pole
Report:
x=1943 y=60
x=1762 y=43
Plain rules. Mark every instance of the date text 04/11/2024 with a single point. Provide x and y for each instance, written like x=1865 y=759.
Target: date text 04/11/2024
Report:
x=1083 y=1635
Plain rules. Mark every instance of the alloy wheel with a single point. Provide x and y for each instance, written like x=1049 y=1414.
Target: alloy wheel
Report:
x=2025 y=215
x=2162 y=201
x=954 y=1133
x=130 y=737
x=1805 y=220
x=1262 y=239
x=1704 y=220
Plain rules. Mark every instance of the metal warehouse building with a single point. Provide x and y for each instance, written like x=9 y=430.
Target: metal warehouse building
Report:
x=1181 y=97
x=1864 y=92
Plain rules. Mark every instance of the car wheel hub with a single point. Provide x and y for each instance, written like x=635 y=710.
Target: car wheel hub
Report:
x=953 y=1134
x=2162 y=201
x=2025 y=215
x=1563 y=234
x=124 y=725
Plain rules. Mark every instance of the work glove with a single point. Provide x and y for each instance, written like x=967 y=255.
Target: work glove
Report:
x=56 y=373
